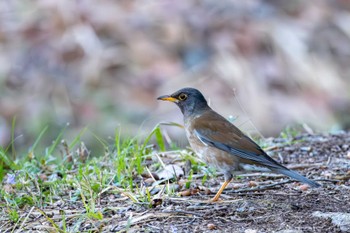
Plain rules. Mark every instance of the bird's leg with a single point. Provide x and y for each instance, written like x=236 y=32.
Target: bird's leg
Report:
x=223 y=186
x=228 y=178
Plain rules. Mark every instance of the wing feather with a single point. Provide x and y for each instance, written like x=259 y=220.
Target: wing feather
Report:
x=212 y=129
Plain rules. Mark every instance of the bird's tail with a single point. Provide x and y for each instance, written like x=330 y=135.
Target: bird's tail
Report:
x=297 y=176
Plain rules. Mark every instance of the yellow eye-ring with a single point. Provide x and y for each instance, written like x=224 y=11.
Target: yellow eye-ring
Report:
x=182 y=96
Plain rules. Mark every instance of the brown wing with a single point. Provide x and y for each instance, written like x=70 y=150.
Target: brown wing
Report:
x=213 y=129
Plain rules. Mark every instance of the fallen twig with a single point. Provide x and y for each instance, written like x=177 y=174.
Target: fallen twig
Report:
x=260 y=188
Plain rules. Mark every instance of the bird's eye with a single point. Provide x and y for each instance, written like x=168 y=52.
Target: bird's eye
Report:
x=182 y=96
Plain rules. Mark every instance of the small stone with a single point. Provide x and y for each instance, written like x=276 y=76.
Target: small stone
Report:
x=43 y=177
x=156 y=202
x=252 y=184
x=185 y=193
x=194 y=191
x=327 y=174
x=211 y=226
x=304 y=187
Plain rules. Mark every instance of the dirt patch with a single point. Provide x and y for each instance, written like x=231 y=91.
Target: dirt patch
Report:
x=253 y=203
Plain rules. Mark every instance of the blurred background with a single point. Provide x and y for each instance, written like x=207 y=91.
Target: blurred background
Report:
x=265 y=64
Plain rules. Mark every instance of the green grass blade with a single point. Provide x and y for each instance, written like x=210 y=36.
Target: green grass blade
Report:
x=117 y=140
x=51 y=221
x=103 y=143
x=172 y=124
x=77 y=138
x=39 y=138
x=159 y=138
x=156 y=131
x=5 y=159
x=57 y=140
x=13 y=137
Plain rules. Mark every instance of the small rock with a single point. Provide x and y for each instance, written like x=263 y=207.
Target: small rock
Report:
x=252 y=184
x=185 y=193
x=342 y=220
x=43 y=177
x=189 y=192
x=156 y=202
x=304 y=187
x=211 y=226
x=194 y=191
x=327 y=174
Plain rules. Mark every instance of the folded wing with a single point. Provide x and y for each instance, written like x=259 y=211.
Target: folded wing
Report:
x=214 y=130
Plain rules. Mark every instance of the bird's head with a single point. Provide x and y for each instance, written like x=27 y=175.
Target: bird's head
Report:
x=190 y=100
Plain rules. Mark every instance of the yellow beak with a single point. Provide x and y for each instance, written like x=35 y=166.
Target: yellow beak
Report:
x=167 y=98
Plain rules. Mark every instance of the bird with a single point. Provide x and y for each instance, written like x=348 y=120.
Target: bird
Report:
x=221 y=144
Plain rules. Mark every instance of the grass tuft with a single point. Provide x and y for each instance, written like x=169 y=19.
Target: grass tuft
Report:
x=65 y=172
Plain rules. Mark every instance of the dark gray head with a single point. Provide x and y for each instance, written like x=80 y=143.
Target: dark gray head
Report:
x=190 y=100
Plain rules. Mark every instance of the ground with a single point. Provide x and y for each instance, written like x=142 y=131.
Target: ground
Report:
x=253 y=202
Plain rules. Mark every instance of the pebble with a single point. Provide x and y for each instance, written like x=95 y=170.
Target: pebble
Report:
x=304 y=187
x=211 y=226
x=252 y=184
x=185 y=193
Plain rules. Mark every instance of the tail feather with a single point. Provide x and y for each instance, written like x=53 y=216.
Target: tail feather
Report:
x=297 y=176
